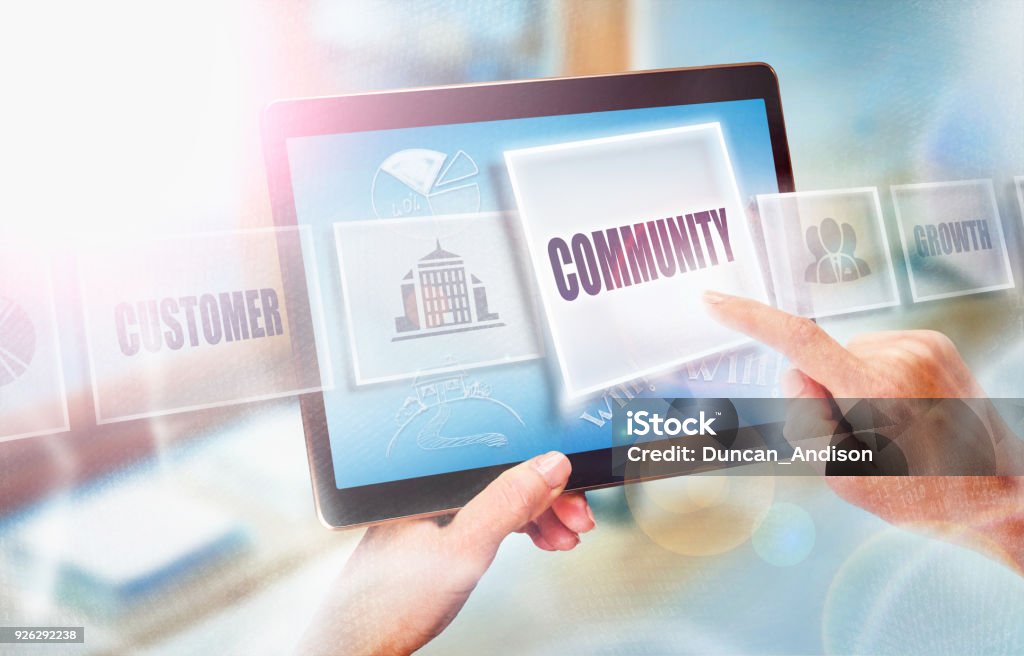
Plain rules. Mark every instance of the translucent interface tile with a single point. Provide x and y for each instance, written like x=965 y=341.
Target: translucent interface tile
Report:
x=828 y=251
x=429 y=295
x=32 y=391
x=199 y=321
x=952 y=238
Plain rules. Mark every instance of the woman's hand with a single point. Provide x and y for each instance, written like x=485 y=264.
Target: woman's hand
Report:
x=984 y=512
x=407 y=580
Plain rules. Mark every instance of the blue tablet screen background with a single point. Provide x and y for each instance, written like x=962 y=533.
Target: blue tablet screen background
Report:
x=333 y=181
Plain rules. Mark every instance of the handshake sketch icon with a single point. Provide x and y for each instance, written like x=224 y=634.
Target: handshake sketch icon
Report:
x=833 y=246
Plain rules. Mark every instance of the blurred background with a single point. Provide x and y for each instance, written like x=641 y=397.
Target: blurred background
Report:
x=196 y=533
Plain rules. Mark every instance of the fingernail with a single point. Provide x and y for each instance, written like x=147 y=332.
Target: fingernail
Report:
x=713 y=298
x=590 y=514
x=547 y=466
x=793 y=383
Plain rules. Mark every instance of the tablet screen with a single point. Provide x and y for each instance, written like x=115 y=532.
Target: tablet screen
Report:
x=441 y=356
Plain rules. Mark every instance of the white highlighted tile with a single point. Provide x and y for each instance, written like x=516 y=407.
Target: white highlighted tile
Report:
x=952 y=238
x=828 y=251
x=625 y=233
x=33 y=398
x=433 y=294
x=190 y=322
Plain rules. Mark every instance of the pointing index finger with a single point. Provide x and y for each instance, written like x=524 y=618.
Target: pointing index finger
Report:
x=808 y=347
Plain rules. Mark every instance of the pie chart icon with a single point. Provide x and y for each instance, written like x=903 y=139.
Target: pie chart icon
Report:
x=17 y=341
x=422 y=182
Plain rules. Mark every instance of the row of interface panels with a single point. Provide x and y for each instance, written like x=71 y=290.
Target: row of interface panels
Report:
x=181 y=323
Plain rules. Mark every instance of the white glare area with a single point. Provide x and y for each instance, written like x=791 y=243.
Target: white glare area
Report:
x=118 y=116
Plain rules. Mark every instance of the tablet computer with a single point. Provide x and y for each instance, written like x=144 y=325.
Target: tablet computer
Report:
x=444 y=371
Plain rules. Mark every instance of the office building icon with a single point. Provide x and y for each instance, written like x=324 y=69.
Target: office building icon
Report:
x=440 y=298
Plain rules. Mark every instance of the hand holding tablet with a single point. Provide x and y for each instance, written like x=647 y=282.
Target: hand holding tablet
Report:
x=416 y=575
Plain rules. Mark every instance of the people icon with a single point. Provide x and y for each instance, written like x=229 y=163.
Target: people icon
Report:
x=833 y=247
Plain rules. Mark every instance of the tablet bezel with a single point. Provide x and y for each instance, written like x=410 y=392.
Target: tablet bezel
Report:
x=287 y=119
